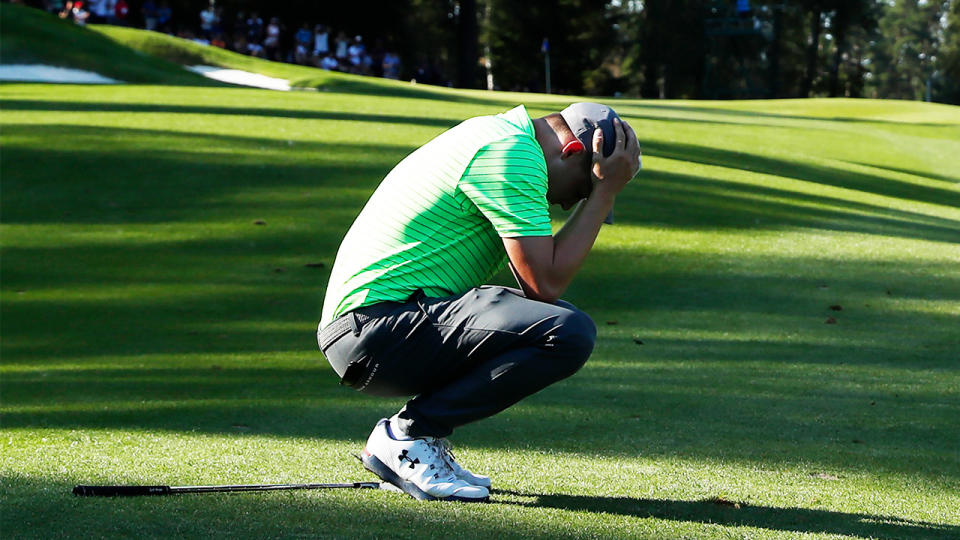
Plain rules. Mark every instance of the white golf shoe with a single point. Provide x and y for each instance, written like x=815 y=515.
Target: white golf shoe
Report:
x=420 y=467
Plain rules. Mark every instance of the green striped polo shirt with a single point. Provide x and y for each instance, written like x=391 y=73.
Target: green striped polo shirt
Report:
x=435 y=222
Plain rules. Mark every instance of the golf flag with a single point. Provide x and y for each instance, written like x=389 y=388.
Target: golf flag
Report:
x=545 y=46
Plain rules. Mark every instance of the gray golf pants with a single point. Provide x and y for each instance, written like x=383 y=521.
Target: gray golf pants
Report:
x=463 y=357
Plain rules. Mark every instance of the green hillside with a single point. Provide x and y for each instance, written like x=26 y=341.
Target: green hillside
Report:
x=777 y=309
x=186 y=52
x=29 y=36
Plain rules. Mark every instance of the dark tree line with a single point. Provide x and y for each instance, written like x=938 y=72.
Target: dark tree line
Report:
x=903 y=49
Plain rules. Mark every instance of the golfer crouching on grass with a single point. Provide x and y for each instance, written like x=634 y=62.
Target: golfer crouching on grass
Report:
x=406 y=312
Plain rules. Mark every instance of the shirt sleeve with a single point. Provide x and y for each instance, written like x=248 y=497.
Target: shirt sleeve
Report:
x=507 y=181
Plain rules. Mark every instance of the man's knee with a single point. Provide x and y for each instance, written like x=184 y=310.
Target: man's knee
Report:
x=574 y=338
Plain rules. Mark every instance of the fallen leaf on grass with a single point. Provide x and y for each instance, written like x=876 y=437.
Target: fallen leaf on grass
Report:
x=836 y=307
x=278 y=269
x=831 y=320
x=611 y=323
x=259 y=222
x=638 y=341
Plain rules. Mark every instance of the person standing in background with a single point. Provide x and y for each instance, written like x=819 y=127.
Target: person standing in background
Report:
x=342 y=43
x=321 y=43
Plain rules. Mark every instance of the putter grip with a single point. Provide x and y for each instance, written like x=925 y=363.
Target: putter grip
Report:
x=113 y=491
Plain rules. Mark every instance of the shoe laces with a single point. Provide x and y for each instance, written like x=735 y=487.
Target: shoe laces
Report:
x=440 y=448
x=445 y=449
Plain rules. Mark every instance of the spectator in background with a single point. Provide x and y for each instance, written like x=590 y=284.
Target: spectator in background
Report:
x=254 y=28
x=120 y=12
x=248 y=36
x=110 y=12
x=303 y=39
x=355 y=54
x=67 y=11
x=342 y=44
x=391 y=65
x=98 y=10
x=271 y=43
x=79 y=13
x=329 y=63
x=208 y=19
x=164 y=16
x=255 y=49
x=149 y=11
x=321 y=42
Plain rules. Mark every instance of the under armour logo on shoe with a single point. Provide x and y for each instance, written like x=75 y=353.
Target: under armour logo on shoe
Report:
x=404 y=457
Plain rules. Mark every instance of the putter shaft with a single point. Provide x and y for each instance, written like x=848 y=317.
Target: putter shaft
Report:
x=113 y=491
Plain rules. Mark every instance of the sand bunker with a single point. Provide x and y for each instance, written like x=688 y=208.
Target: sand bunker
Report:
x=243 y=78
x=51 y=74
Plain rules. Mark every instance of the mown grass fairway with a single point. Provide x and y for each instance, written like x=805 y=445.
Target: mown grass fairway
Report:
x=161 y=286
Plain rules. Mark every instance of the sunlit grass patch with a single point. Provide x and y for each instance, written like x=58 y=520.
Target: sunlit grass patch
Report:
x=777 y=309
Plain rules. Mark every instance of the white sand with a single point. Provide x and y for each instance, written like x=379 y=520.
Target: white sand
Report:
x=244 y=78
x=50 y=74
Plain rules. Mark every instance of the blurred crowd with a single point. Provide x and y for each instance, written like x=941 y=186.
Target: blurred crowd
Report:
x=246 y=33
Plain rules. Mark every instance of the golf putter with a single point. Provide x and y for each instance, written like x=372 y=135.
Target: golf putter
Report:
x=128 y=491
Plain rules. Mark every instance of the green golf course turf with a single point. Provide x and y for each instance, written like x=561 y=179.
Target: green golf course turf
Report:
x=778 y=308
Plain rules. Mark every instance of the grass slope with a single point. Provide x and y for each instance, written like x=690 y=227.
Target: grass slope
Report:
x=30 y=36
x=186 y=52
x=160 y=290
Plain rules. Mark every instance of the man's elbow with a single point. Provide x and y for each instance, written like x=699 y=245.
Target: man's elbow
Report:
x=543 y=292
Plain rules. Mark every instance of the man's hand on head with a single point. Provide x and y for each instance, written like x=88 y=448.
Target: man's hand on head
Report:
x=611 y=173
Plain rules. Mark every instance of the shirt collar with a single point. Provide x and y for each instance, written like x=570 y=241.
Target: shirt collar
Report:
x=519 y=117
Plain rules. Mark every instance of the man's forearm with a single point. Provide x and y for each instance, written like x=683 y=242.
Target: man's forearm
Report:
x=575 y=239
x=544 y=266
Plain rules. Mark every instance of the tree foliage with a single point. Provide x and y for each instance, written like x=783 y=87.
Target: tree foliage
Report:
x=906 y=49
x=948 y=64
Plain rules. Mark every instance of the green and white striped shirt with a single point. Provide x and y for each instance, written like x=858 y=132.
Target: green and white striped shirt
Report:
x=436 y=221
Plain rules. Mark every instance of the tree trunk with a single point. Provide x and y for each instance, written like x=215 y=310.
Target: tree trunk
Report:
x=774 y=73
x=467 y=40
x=650 y=52
x=812 y=49
x=842 y=22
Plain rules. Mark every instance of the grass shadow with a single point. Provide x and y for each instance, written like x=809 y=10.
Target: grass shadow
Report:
x=381 y=88
x=719 y=511
x=305 y=114
x=819 y=174
x=952 y=180
x=684 y=200
x=757 y=114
